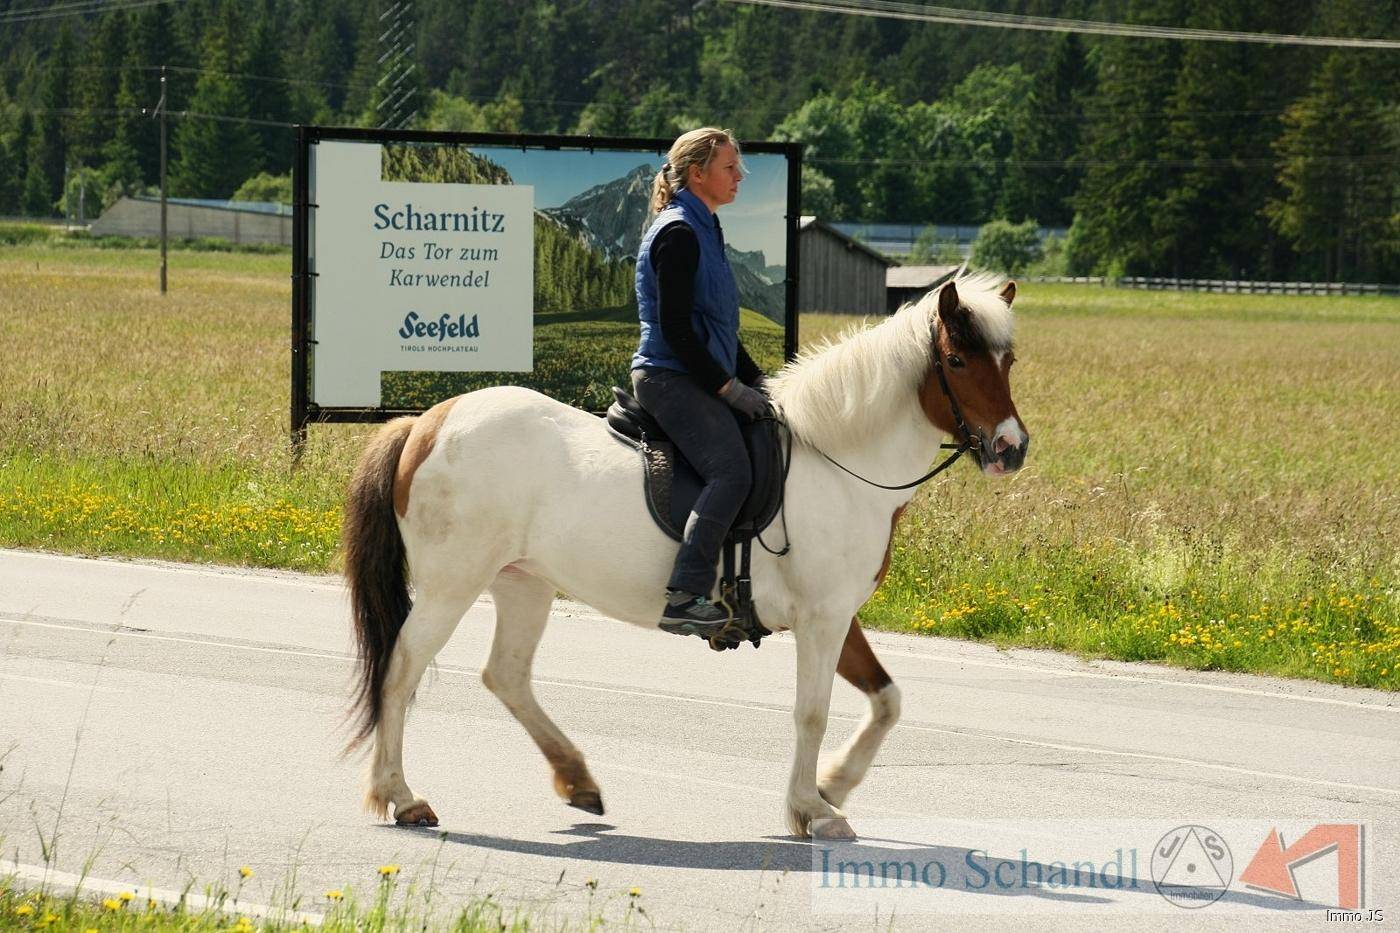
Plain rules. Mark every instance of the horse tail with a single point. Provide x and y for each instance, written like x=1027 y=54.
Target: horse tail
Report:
x=376 y=569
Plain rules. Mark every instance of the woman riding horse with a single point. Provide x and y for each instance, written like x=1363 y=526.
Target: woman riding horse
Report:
x=690 y=362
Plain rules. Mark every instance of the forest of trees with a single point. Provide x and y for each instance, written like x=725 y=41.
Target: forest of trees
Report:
x=1161 y=157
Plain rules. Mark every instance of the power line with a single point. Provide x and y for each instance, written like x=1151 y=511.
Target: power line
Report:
x=76 y=8
x=895 y=9
x=984 y=164
x=1081 y=116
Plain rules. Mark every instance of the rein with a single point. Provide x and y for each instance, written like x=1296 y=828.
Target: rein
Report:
x=969 y=440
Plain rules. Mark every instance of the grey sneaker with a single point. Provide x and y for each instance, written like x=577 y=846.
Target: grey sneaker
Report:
x=689 y=614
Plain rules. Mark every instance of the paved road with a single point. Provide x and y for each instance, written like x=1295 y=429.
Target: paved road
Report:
x=174 y=723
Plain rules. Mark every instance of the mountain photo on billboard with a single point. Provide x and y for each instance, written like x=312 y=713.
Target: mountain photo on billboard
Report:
x=591 y=211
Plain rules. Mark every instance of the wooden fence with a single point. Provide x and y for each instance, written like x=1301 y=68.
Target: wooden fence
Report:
x=1225 y=286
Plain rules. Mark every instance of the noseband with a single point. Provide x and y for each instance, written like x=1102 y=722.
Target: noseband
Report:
x=970 y=441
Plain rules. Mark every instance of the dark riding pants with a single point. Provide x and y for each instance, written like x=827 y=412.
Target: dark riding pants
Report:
x=706 y=432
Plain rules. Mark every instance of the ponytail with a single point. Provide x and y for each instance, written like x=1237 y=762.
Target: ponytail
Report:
x=662 y=189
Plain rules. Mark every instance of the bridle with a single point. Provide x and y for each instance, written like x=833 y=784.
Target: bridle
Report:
x=970 y=441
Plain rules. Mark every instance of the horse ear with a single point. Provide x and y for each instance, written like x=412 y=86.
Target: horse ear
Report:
x=948 y=303
x=1008 y=292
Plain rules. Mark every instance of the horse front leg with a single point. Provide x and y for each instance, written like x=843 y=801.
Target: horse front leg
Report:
x=818 y=648
x=863 y=671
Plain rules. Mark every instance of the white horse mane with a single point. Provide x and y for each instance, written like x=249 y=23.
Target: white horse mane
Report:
x=838 y=392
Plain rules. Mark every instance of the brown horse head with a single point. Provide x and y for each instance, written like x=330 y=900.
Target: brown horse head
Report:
x=973 y=340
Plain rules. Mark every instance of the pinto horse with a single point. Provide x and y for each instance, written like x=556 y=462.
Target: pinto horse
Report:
x=507 y=490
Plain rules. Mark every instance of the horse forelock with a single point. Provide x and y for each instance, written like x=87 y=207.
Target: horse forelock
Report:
x=993 y=324
x=841 y=390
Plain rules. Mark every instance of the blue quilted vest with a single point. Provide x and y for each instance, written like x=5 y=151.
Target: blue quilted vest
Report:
x=715 y=316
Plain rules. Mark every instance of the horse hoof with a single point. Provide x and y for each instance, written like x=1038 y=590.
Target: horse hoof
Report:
x=590 y=801
x=419 y=814
x=834 y=830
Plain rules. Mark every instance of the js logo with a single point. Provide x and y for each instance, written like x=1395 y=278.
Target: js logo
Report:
x=1192 y=866
x=1272 y=867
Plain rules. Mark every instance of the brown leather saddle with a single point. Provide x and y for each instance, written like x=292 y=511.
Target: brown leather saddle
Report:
x=671 y=486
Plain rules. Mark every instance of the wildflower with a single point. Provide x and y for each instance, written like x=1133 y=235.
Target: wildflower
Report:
x=126 y=897
x=334 y=894
x=112 y=903
x=388 y=871
x=24 y=910
x=245 y=872
x=244 y=925
x=635 y=892
x=152 y=904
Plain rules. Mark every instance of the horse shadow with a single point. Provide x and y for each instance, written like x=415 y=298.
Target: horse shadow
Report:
x=601 y=843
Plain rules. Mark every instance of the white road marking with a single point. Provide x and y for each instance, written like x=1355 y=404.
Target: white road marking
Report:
x=49 y=877
x=656 y=694
x=1016 y=664
x=582 y=611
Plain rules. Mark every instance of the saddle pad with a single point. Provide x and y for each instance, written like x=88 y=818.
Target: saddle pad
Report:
x=671 y=485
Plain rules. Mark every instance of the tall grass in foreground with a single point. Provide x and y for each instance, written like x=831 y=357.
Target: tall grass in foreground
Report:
x=385 y=906
x=1211 y=480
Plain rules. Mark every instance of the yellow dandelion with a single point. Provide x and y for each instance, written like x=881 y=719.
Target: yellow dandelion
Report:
x=635 y=892
x=112 y=903
x=334 y=895
x=24 y=910
x=245 y=872
x=152 y=904
x=126 y=896
x=244 y=925
x=388 y=871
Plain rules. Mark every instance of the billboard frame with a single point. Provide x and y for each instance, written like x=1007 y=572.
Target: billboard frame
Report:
x=305 y=412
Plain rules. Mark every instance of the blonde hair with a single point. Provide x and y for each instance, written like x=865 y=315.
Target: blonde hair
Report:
x=694 y=148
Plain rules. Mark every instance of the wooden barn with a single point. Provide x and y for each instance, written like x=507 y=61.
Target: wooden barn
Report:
x=910 y=283
x=838 y=274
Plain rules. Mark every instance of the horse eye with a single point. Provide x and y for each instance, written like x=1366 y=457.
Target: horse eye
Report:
x=955 y=362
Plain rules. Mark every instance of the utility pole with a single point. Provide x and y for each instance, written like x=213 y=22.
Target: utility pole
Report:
x=160 y=108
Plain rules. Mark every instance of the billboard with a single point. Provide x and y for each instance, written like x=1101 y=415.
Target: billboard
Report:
x=430 y=264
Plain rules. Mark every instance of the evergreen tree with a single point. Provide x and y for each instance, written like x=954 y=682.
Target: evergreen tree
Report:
x=48 y=149
x=95 y=95
x=1049 y=133
x=1125 y=181
x=1338 y=151
x=121 y=169
x=265 y=89
x=151 y=44
x=214 y=149
x=15 y=167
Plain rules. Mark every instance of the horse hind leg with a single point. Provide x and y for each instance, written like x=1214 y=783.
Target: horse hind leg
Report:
x=848 y=766
x=522 y=612
x=435 y=615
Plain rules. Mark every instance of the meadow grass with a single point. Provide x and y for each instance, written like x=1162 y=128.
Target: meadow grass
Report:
x=384 y=904
x=1211 y=480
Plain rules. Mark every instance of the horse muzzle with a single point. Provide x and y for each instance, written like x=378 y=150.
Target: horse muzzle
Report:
x=1007 y=453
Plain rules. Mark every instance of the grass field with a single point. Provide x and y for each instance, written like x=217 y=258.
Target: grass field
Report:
x=1211 y=480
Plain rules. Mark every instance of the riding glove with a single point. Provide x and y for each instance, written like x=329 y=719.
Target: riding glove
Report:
x=745 y=400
